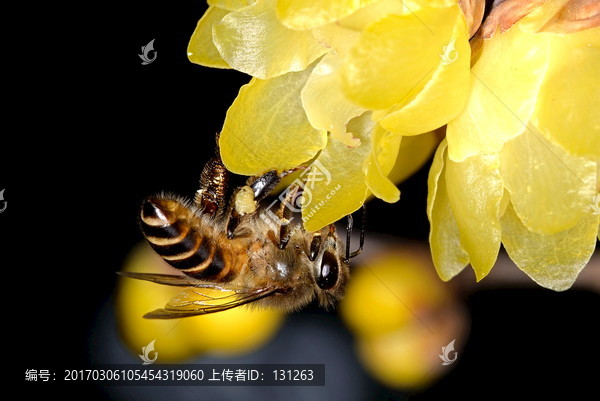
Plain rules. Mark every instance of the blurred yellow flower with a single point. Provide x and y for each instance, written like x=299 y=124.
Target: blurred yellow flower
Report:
x=235 y=331
x=339 y=82
x=520 y=165
x=402 y=315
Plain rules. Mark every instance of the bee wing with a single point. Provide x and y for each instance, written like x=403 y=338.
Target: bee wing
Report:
x=198 y=301
x=176 y=280
x=165 y=279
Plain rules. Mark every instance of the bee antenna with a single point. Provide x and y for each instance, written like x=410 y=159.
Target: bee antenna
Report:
x=363 y=224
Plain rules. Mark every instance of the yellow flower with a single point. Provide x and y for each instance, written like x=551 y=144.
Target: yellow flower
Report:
x=401 y=315
x=520 y=165
x=347 y=86
x=338 y=82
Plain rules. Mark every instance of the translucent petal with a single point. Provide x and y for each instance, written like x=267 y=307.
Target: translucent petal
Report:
x=475 y=191
x=309 y=14
x=566 y=111
x=266 y=127
x=373 y=12
x=387 y=148
x=552 y=261
x=396 y=56
x=414 y=5
x=345 y=191
x=444 y=95
x=252 y=40
x=326 y=106
x=201 y=49
x=230 y=5
x=503 y=93
x=414 y=152
x=540 y=15
x=448 y=256
x=333 y=36
x=380 y=162
x=550 y=189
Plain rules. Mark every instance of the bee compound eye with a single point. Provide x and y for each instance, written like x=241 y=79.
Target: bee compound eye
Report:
x=329 y=271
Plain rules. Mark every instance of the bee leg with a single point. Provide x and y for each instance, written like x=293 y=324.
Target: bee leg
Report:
x=242 y=203
x=263 y=185
x=350 y=255
x=246 y=198
x=210 y=198
x=285 y=213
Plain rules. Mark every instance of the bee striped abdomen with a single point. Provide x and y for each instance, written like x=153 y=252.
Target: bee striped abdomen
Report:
x=174 y=233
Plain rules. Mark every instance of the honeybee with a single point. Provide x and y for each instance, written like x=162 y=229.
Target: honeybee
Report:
x=229 y=248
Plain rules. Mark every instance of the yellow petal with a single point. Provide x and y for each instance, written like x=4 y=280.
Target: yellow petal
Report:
x=333 y=36
x=444 y=95
x=396 y=56
x=503 y=93
x=309 y=14
x=345 y=190
x=475 y=191
x=252 y=40
x=449 y=258
x=542 y=13
x=201 y=49
x=552 y=261
x=550 y=190
x=380 y=162
x=566 y=111
x=373 y=12
x=414 y=5
x=326 y=106
x=266 y=127
x=396 y=165
x=414 y=152
x=386 y=147
x=230 y=5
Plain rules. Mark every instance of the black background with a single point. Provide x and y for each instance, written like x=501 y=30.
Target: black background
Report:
x=101 y=131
